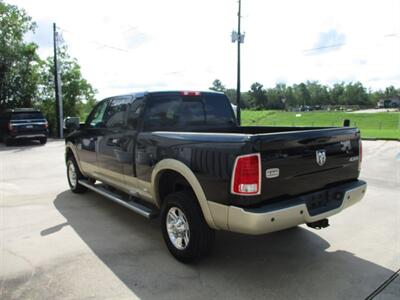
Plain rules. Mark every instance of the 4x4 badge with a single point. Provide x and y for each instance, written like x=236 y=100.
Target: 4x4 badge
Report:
x=320 y=156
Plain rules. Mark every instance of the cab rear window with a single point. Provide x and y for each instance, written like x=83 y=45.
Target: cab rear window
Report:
x=177 y=112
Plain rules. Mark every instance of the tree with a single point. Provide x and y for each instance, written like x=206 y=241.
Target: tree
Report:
x=258 y=96
x=302 y=94
x=318 y=93
x=354 y=94
x=290 y=97
x=77 y=94
x=26 y=80
x=273 y=99
x=231 y=94
x=336 y=93
x=218 y=86
x=19 y=62
x=391 y=92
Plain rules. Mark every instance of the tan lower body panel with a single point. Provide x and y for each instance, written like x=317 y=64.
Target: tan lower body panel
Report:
x=127 y=184
x=237 y=219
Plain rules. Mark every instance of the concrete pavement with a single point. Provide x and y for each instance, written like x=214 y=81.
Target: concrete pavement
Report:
x=59 y=245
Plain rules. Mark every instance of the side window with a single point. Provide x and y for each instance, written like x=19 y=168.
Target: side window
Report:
x=114 y=116
x=134 y=111
x=95 y=119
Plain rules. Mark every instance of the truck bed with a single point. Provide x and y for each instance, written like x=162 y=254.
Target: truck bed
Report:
x=290 y=151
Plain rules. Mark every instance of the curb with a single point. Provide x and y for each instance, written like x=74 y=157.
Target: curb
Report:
x=380 y=139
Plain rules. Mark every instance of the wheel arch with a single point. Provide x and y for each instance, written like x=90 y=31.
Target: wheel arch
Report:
x=177 y=167
x=70 y=151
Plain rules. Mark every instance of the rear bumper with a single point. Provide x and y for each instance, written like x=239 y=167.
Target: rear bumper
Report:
x=33 y=135
x=286 y=214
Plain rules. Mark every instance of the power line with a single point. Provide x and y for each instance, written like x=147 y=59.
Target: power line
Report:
x=342 y=44
x=392 y=35
x=325 y=47
x=103 y=45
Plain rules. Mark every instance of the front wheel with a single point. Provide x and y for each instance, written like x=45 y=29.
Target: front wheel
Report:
x=186 y=233
x=74 y=175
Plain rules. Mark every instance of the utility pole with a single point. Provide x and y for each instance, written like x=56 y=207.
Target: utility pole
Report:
x=238 y=37
x=57 y=86
x=238 y=64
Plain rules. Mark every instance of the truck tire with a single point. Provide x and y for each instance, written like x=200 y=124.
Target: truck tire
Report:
x=74 y=175
x=186 y=233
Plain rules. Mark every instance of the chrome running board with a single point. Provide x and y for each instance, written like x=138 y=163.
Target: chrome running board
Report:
x=142 y=210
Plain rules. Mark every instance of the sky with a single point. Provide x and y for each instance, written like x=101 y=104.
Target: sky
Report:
x=128 y=46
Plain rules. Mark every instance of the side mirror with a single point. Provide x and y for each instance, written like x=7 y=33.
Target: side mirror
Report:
x=71 y=123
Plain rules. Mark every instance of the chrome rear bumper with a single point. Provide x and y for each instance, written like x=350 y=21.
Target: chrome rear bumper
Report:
x=270 y=218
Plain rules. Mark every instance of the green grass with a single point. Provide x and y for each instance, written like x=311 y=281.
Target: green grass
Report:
x=384 y=125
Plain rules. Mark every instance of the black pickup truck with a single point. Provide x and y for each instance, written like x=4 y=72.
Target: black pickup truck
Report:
x=183 y=156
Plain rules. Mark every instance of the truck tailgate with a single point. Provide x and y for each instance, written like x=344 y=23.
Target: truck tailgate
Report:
x=298 y=162
x=28 y=126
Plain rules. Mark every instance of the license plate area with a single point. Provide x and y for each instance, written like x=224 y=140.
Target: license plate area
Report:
x=323 y=201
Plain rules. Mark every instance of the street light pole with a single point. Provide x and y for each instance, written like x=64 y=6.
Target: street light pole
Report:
x=238 y=65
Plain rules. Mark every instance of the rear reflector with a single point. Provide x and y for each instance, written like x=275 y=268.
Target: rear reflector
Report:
x=190 y=93
x=246 y=176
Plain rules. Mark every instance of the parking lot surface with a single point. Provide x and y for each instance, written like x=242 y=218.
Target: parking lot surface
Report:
x=58 y=245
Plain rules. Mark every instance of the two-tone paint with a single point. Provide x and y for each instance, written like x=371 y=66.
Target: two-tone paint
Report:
x=134 y=161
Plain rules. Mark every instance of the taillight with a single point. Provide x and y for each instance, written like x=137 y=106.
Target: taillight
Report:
x=190 y=93
x=10 y=127
x=359 y=154
x=246 y=176
x=46 y=125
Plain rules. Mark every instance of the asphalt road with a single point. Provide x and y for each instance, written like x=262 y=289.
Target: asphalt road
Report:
x=58 y=245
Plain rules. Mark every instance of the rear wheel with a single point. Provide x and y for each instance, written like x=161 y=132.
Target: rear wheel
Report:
x=74 y=175
x=184 y=229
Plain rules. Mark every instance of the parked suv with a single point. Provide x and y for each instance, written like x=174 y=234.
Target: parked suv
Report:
x=23 y=123
x=182 y=155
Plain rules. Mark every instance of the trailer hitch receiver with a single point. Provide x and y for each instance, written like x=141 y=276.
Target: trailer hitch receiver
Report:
x=319 y=224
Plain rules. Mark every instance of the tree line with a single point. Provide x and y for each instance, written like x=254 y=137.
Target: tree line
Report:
x=26 y=80
x=310 y=93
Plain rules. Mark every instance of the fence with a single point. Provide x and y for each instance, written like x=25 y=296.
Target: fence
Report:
x=367 y=124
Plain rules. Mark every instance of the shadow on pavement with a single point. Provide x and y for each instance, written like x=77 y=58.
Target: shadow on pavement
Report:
x=291 y=264
x=20 y=145
x=23 y=145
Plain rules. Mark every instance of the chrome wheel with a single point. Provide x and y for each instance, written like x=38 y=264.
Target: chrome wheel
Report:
x=72 y=175
x=178 y=228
